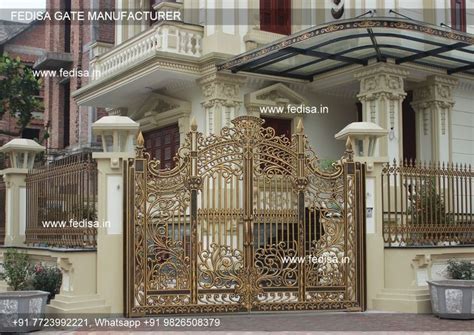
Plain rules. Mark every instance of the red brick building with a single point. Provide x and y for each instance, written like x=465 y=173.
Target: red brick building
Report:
x=27 y=42
x=58 y=46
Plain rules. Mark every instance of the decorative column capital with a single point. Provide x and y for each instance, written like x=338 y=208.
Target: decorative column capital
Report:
x=221 y=98
x=436 y=91
x=381 y=94
x=381 y=81
x=223 y=87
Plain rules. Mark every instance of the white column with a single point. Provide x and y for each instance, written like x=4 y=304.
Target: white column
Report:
x=381 y=94
x=15 y=206
x=433 y=103
x=120 y=130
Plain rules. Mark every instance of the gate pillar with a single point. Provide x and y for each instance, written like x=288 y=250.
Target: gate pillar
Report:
x=117 y=134
x=22 y=156
x=363 y=137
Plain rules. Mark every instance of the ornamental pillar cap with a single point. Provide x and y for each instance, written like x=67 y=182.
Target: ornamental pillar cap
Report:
x=117 y=133
x=381 y=68
x=22 y=152
x=363 y=137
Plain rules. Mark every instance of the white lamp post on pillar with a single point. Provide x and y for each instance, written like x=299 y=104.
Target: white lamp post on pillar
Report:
x=22 y=153
x=117 y=135
x=364 y=137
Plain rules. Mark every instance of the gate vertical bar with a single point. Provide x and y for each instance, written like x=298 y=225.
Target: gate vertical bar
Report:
x=301 y=182
x=350 y=227
x=194 y=185
x=129 y=236
x=249 y=135
x=362 y=289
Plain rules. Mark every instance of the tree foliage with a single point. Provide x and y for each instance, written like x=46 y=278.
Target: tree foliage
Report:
x=18 y=89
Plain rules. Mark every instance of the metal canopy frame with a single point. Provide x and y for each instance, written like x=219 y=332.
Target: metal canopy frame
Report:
x=310 y=43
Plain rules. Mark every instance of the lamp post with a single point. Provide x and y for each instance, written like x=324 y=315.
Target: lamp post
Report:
x=21 y=153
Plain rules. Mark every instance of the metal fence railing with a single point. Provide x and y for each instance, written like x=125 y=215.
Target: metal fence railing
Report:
x=427 y=204
x=3 y=198
x=62 y=203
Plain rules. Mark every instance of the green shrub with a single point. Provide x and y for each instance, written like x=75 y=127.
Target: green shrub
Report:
x=460 y=270
x=17 y=269
x=428 y=206
x=47 y=279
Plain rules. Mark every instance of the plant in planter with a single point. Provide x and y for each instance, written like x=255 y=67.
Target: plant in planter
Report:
x=27 y=303
x=17 y=269
x=453 y=298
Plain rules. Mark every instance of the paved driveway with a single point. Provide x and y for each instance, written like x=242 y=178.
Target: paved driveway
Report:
x=287 y=322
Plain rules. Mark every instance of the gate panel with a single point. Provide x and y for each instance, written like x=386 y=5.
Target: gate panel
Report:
x=159 y=248
x=220 y=238
x=275 y=221
x=246 y=221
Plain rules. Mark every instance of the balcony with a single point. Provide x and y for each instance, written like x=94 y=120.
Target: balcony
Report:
x=167 y=36
x=53 y=61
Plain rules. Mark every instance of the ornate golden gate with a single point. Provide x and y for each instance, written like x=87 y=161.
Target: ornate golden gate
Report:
x=246 y=221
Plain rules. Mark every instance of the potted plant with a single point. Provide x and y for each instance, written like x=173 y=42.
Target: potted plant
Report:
x=22 y=303
x=454 y=298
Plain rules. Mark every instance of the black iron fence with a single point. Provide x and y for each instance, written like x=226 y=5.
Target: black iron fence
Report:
x=427 y=204
x=62 y=203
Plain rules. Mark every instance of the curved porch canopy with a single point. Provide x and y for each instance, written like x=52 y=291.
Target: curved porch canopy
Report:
x=329 y=47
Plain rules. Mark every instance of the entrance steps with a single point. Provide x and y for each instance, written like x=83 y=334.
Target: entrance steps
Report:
x=415 y=300
x=65 y=304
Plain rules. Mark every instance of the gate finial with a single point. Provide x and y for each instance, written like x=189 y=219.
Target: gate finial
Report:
x=348 y=144
x=194 y=126
x=349 y=154
x=300 y=127
x=140 y=140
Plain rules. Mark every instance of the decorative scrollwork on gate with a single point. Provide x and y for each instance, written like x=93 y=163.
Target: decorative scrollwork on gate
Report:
x=238 y=223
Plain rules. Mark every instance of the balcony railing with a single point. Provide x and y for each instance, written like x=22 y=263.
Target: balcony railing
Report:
x=166 y=36
x=426 y=204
